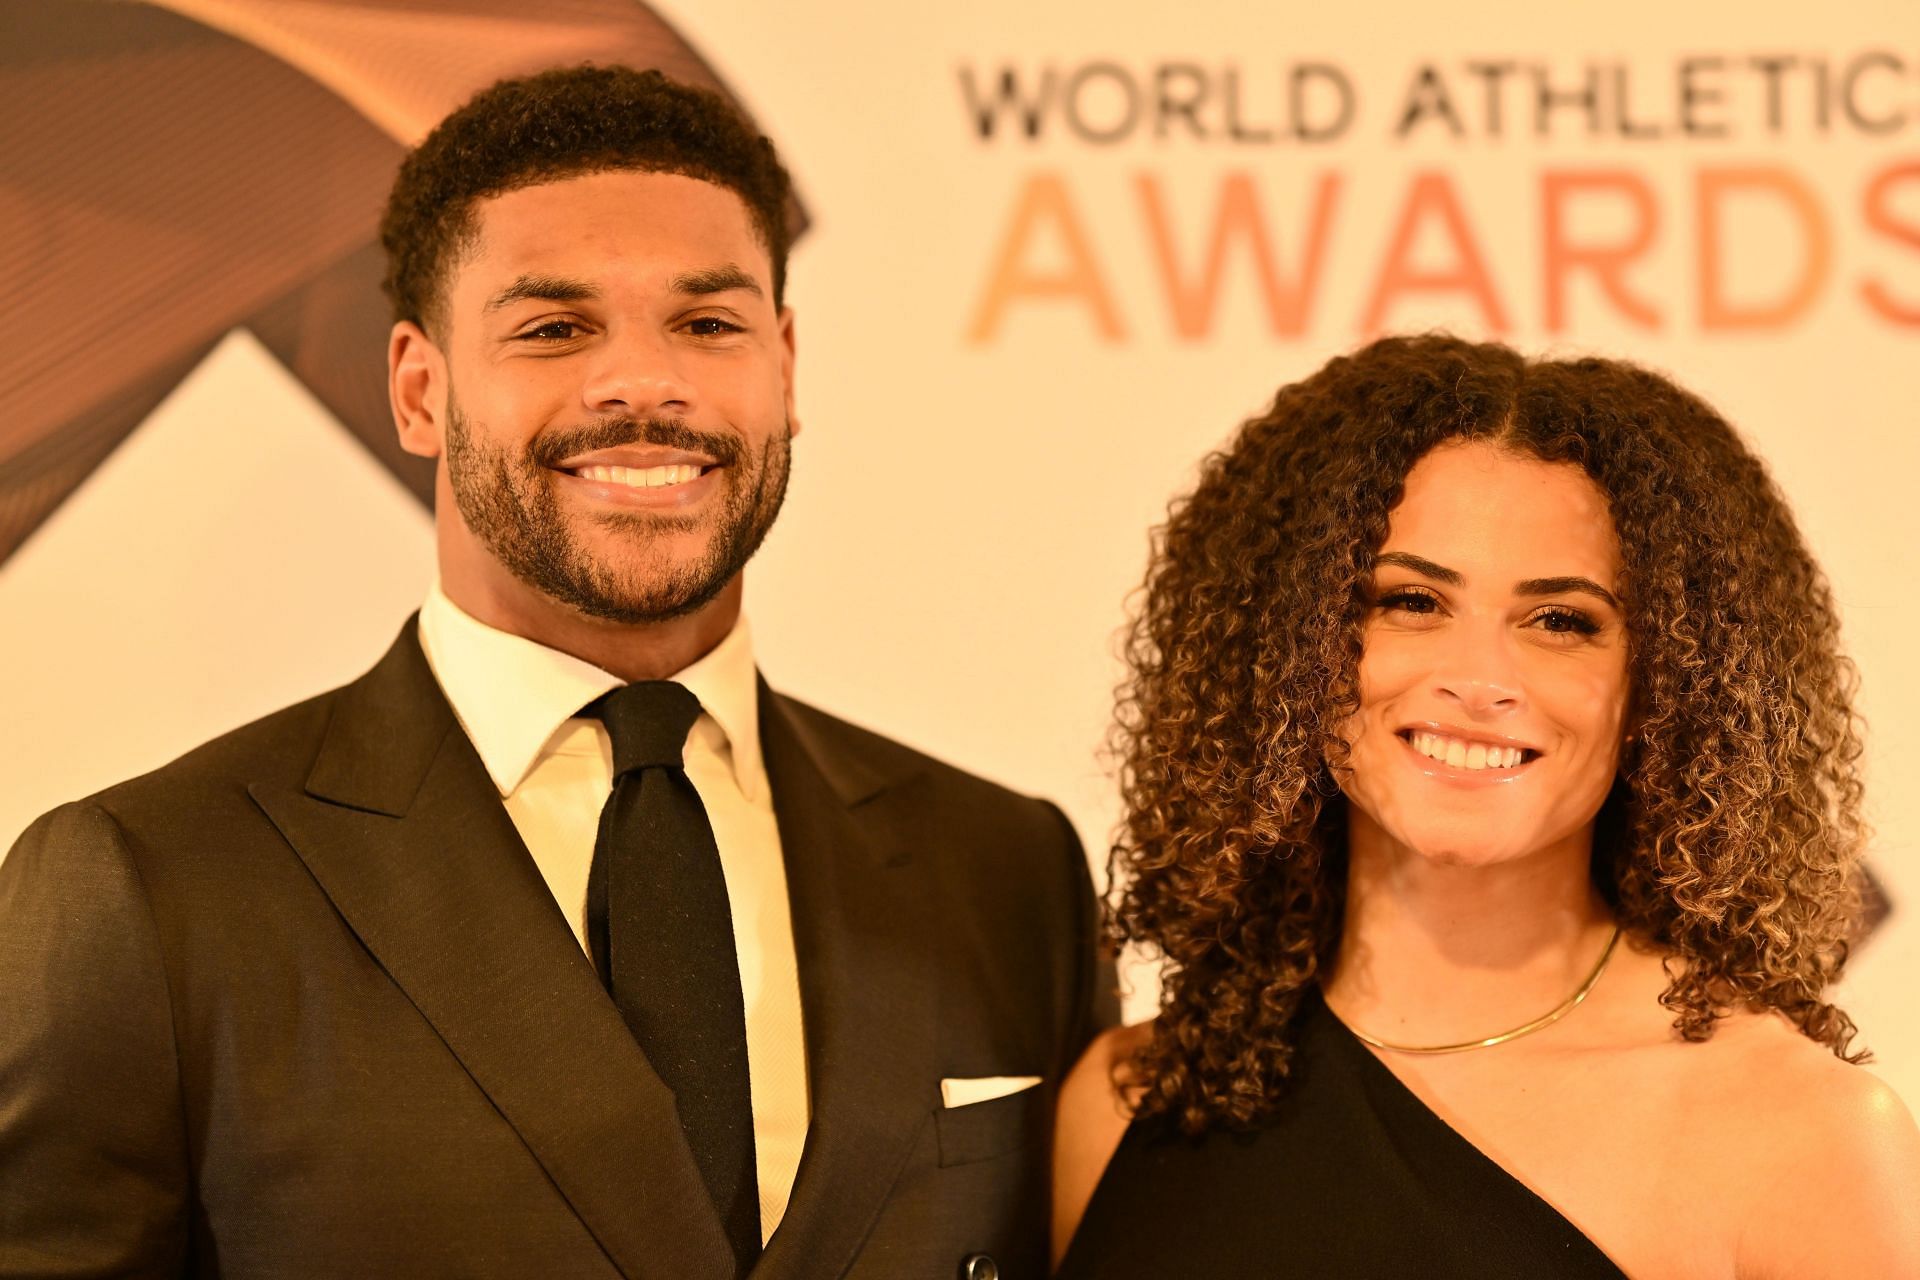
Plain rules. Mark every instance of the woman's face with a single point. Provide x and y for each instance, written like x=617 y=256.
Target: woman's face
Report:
x=1493 y=679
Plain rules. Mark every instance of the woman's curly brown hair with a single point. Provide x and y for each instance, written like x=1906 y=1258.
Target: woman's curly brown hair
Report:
x=1731 y=838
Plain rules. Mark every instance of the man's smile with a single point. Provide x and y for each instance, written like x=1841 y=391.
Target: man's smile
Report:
x=641 y=477
x=642 y=474
x=675 y=487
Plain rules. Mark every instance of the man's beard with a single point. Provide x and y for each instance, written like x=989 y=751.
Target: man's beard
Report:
x=509 y=503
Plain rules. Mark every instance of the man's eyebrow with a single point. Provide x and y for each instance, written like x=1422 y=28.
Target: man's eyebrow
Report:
x=544 y=289
x=1527 y=587
x=715 y=280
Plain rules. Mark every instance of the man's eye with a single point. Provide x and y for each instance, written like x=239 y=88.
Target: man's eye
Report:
x=711 y=327
x=553 y=331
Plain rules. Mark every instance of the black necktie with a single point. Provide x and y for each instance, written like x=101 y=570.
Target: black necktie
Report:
x=661 y=932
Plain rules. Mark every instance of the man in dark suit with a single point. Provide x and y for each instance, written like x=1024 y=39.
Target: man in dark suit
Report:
x=557 y=944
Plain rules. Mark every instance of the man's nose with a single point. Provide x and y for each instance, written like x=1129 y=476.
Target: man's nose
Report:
x=639 y=375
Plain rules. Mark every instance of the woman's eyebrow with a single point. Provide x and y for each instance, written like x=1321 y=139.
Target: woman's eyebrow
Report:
x=1420 y=565
x=1527 y=587
x=1555 y=586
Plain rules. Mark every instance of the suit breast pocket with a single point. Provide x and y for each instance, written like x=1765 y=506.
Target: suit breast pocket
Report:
x=983 y=1130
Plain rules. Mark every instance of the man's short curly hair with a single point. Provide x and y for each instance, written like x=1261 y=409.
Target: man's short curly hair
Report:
x=560 y=124
x=1730 y=840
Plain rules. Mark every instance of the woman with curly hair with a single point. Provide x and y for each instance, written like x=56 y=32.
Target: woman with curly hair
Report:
x=1493 y=803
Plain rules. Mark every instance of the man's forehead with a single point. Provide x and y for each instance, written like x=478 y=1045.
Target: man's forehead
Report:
x=611 y=223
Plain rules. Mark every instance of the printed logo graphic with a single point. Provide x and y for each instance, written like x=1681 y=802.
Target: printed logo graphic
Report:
x=176 y=169
x=1550 y=194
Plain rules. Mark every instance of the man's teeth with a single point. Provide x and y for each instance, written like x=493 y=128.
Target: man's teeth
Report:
x=640 y=477
x=1465 y=755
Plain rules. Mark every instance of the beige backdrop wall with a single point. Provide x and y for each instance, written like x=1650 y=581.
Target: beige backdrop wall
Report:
x=1014 y=348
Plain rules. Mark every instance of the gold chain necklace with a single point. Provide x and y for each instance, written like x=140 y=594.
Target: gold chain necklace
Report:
x=1565 y=1007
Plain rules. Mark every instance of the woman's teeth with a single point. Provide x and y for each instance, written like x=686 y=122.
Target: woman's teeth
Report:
x=640 y=477
x=1465 y=755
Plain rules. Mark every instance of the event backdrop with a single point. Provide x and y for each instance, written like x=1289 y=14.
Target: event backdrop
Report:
x=1056 y=253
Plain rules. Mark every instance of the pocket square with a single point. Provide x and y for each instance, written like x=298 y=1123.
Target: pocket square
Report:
x=965 y=1091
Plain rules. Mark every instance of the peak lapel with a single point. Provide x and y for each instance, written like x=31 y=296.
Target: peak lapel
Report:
x=403 y=830
x=861 y=920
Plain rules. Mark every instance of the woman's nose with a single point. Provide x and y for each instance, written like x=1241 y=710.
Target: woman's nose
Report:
x=1479 y=673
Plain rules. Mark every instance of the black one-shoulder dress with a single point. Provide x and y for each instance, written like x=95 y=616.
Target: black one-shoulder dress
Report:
x=1353 y=1176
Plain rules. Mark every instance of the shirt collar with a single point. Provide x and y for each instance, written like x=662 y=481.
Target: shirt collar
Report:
x=513 y=695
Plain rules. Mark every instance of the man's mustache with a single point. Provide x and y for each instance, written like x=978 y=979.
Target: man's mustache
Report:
x=551 y=448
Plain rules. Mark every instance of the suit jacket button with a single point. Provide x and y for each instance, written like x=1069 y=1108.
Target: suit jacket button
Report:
x=979 y=1267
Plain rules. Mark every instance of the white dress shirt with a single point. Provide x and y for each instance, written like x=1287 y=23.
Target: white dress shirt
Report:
x=517 y=701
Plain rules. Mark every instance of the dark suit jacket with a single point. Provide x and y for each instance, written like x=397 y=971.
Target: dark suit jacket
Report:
x=300 y=1004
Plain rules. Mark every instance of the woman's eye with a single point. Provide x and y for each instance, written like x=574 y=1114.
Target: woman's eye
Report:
x=1568 y=622
x=1410 y=602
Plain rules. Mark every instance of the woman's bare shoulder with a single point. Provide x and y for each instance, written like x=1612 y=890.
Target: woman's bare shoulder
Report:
x=1095 y=1109
x=1836 y=1156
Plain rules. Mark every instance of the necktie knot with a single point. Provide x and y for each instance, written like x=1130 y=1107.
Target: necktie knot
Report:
x=648 y=722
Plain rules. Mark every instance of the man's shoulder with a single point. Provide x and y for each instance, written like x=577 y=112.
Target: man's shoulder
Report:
x=279 y=747
x=201 y=800
x=887 y=759
x=992 y=852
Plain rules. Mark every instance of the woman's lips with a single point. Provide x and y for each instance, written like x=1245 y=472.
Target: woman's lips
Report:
x=1455 y=758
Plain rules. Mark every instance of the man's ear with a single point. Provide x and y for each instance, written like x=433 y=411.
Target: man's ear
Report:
x=417 y=389
x=787 y=350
